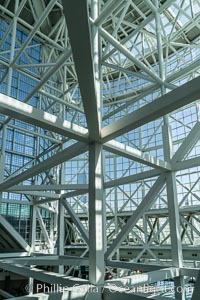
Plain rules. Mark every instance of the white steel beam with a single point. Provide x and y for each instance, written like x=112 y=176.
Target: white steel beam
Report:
x=16 y=15
x=41 y=275
x=167 y=103
x=131 y=178
x=118 y=22
x=174 y=222
x=61 y=101
x=183 y=71
x=134 y=266
x=190 y=272
x=43 y=227
x=142 y=207
x=41 y=36
x=76 y=220
x=38 y=8
x=136 y=155
x=145 y=278
x=46 y=77
x=13 y=254
x=9 y=228
x=7 y=241
x=86 y=62
x=50 y=72
x=37 y=25
x=186 y=164
x=129 y=96
x=66 y=195
x=140 y=26
x=51 y=260
x=118 y=46
x=97 y=215
x=47 y=164
x=128 y=72
x=33 y=229
x=27 y=41
x=187 y=144
x=107 y=9
x=75 y=193
x=35 y=134
x=48 y=187
x=50 y=196
x=31 y=115
x=151 y=6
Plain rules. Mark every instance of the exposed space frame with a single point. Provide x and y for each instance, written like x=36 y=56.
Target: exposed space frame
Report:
x=100 y=149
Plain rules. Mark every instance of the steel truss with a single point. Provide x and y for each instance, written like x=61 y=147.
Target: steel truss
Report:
x=100 y=129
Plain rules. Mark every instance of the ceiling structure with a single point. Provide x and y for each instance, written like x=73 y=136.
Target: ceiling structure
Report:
x=100 y=143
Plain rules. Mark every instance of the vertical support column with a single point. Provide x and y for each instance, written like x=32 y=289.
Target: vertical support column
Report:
x=176 y=244
x=145 y=219
x=52 y=225
x=33 y=219
x=61 y=210
x=33 y=228
x=97 y=208
x=116 y=212
x=32 y=248
x=60 y=234
x=12 y=48
x=97 y=216
x=8 y=91
x=61 y=220
x=173 y=208
x=96 y=57
x=198 y=110
x=2 y=156
x=167 y=141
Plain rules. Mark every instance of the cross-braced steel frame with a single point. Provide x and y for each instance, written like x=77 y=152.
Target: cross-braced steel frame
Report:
x=100 y=128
